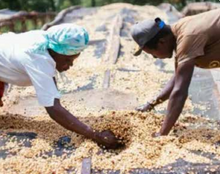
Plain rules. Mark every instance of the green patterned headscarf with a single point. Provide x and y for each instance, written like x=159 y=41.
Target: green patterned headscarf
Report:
x=66 y=39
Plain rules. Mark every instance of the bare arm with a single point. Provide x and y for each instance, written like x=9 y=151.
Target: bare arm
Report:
x=68 y=121
x=178 y=96
x=163 y=96
x=64 y=118
x=165 y=93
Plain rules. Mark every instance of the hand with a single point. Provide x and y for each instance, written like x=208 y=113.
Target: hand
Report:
x=107 y=139
x=145 y=108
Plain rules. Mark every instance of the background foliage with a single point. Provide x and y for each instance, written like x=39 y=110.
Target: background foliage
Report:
x=57 y=5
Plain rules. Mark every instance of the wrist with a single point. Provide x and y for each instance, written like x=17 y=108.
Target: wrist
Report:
x=163 y=132
x=155 y=102
x=95 y=135
x=90 y=133
x=151 y=105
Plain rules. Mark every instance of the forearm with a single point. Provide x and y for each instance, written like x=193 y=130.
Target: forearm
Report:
x=68 y=121
x=165 y=93
x=175 y=106
x=178 y=96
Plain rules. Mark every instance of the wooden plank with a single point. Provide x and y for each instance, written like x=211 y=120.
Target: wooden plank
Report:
x=106 y=82
x=59 y=18
x=113 y=48
x=86 y=166
x=114 y=41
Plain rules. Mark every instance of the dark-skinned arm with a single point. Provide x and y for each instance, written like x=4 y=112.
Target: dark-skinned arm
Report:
x=163 y=96
x=68 y=121
x=165 y=93
x=178 y=96
x=64 y=118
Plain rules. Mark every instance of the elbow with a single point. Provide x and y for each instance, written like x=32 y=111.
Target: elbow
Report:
x=51 y=111
x=54 y=111
x=179 y=94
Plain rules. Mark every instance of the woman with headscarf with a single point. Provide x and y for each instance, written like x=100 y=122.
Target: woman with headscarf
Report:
x=32 y=58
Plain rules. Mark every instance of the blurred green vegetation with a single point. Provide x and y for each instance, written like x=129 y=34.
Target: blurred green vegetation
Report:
x=26 y=25
x=57 y=5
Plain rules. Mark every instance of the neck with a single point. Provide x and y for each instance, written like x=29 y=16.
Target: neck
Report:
x=172 y=37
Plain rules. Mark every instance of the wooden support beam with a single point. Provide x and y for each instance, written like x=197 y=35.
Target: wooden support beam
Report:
x=106 y=81
x=59 y=18
x=114 y=41
x=113 y=48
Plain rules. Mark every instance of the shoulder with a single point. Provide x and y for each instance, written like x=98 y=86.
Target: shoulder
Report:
x=181 y=26
x=190 y=47
x=41 y=62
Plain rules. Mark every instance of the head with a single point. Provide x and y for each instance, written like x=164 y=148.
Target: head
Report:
x=155 y=38
x=63 y=62
x=64 y=42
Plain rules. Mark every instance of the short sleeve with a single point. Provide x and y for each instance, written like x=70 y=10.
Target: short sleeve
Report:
x=41 y=72
x=190 y=47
